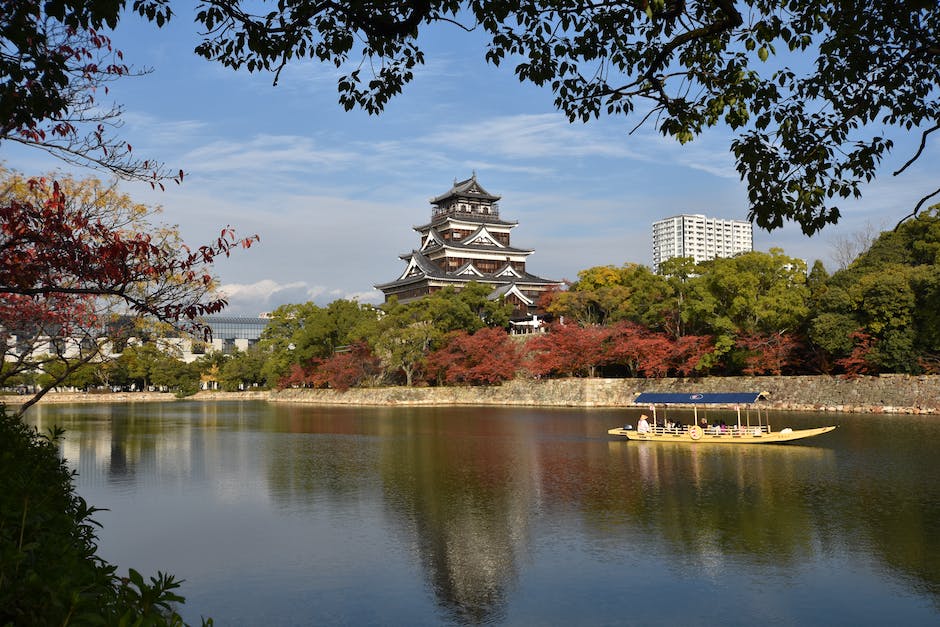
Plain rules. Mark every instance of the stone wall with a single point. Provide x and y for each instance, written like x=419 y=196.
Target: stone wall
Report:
x=899 y=394
x=884 y=394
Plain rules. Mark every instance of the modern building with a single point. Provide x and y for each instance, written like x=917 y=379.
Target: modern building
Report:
x=229 y=334
x=466 y=240
x=700 y=237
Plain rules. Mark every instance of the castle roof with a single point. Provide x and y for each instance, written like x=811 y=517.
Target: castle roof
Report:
x=420 y=268
x=468 y=188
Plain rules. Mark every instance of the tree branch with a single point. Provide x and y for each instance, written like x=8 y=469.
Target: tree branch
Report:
x=920 y=149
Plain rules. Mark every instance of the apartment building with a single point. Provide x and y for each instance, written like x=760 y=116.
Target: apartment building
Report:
x=700 y=237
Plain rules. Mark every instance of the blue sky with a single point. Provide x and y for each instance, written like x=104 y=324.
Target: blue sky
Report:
x=334 y=194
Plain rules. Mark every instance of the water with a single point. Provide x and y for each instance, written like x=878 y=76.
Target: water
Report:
x=297 y=515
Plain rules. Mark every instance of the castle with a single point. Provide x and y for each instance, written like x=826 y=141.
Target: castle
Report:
x=466 y=241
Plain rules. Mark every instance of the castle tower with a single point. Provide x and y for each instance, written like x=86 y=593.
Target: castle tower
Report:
x=465 y=241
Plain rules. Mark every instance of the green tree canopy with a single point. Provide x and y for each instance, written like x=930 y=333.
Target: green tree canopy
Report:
x=749 y=293
x=607 y=294
x=890 y=293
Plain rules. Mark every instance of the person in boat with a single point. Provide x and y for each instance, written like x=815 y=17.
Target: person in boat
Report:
x=642 y=426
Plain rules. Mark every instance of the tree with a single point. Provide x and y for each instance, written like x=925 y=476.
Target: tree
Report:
x=890 y=294
x=751 y=292
x=606 y=294
x=345 y=369
x=299 y=334
x=242 y=369
x=56 y=64
x=672 y=313
x=651 y=354
x=638 y=350
x=49 y=566
x=567 y=350
x=809 y=125
x=486 y=357
x=74 y=254
x=769 y=353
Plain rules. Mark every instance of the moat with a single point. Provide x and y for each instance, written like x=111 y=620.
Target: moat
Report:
x=285 y=514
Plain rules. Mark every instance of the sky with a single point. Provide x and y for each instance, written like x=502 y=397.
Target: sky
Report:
x=333 y=195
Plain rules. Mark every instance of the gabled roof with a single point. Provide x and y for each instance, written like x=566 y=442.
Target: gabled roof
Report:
x=510 y=290
x=489 y=219
x=468 y=269
x=481 y=237
x=468 y=188
x=460 y=245
x=507 y=271
x=419 y=266
x=432 y=240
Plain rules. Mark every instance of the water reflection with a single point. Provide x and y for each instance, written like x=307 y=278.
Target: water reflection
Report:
x=462 y=497
x=478 y=500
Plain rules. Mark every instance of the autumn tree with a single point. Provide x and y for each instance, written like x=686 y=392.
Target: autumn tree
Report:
x=352 y=366
x=486 y=357
x=297 y=334
x=770 y=353
x=648 y=353
x=567 y=350
x=76 y=254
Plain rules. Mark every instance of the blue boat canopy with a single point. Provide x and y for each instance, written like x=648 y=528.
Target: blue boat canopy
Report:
x=694 y=398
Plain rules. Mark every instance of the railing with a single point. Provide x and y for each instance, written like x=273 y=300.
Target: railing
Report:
x=475 y=212
x=729 y=431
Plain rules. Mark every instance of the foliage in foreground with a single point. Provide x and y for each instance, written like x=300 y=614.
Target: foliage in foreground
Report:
x=50 y=573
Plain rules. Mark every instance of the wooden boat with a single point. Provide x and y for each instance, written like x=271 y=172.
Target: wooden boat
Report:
x=746 y=425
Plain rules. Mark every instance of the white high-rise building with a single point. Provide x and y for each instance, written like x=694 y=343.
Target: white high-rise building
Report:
x=699 y=237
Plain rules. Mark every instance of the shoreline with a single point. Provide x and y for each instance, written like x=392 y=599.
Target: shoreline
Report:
x=885 y=394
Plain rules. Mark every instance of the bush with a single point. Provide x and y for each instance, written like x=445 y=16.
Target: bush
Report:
x=49 y=571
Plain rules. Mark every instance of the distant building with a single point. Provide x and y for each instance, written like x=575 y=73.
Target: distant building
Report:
x=700 y=237
x=230 y=334
x=466 y=241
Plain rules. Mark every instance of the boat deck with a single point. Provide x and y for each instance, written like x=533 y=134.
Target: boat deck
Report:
x=730 y=435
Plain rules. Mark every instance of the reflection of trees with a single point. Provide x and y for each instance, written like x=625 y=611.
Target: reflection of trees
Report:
x=462 y=492
x=707 y=500
x=779 y=505
x=123 y=442
x=323 y=458
x=465 y=487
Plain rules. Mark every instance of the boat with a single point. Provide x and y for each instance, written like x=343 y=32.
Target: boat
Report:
x=748 y=424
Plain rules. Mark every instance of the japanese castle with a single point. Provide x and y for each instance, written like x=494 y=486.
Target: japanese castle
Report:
x=467 y=241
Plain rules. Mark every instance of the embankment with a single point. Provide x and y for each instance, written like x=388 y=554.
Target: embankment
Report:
x=886 y=394
x=900 y=394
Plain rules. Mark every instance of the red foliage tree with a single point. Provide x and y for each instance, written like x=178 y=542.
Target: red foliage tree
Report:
x=54 y=245
x=567 y=350
x=626 y=346
x=487 y=357
x=856 y=363
x=690 y=352
x=297 y=376
x=343 y=370
x=650 y=354
x=769 y=353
